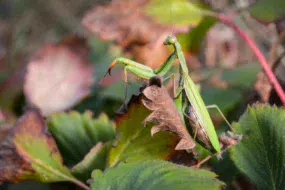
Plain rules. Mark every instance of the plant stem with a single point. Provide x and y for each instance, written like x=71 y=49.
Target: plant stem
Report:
x=80 y=184
x=228 y=21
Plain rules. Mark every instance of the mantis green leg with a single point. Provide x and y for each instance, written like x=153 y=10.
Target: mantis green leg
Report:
x=214 y=106
x=141 y=70
x=177 y=92
x=203 y=161
x=166 y=66
x=135 y=67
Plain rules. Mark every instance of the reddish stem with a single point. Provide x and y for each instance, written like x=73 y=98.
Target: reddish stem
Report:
x=228 y=21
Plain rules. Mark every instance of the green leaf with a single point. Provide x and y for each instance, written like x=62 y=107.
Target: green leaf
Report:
x=30 y=153
x=243 y=76
x=261 y=153
x=95 y=159
x=134 y=141
x=183 y=12
x=154 y=175
x=77 y=133
x=268 y=10
x=193 y=39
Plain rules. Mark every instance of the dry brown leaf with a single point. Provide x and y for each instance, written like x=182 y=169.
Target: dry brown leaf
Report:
x=124 y=22
x=59 y=76
x=165 y=114
x=229 y=139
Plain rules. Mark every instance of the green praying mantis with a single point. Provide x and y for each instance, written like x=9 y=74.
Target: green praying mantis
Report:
x=187 y=96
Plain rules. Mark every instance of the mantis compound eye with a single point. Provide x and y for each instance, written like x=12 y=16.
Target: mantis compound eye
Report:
x=170 y=40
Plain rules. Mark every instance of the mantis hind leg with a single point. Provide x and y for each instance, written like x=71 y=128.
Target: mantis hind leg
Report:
x=221 y=113
x=191 y=118
x=203 y=161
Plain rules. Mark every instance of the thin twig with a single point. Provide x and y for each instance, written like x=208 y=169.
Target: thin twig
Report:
x=277 y=61
x=80 y=184
x=228 y=21
x=273 y=50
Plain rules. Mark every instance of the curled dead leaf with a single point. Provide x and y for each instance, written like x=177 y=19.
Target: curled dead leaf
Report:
x=165 y=114
x=59 y=76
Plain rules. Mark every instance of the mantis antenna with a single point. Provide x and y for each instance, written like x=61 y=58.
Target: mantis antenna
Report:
x=171 y=20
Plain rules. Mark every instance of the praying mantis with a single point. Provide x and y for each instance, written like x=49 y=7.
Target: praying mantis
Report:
x=187 y=95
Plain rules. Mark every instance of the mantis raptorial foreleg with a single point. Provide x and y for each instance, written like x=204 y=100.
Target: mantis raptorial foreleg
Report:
x=141 y=70
x=135 y=67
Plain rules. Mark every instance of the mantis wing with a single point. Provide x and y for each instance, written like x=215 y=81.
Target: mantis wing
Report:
x=201 y=111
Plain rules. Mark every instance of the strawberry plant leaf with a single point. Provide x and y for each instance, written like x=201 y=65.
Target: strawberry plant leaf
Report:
x=154 y=175
x=261 y=153
x=134 y=141
x=30 y=153
x=95 y=159
x=77 y=133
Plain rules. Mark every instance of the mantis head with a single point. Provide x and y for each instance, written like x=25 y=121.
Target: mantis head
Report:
x=170 y=40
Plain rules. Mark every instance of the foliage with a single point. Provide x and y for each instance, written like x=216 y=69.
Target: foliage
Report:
x=182 y=11
x=267 y=11
x=87 y=131
x=57 y=108
x=134 y=142
x=30 y=153
x=261 y=154
x=154 y=175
